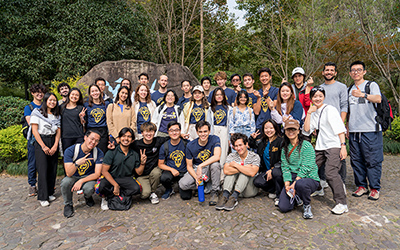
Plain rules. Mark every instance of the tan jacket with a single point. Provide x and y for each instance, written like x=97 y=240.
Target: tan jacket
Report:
x=117 y=120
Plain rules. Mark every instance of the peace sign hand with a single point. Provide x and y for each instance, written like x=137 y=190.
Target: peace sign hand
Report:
x=143 y=157
x=254 y=135
x=83 y=159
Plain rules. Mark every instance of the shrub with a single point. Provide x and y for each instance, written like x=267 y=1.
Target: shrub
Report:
x=391 y=146
x=11 y=110
x=394 y=133
x=3 y=166
x=72 y=82
x=18 y=168
x=12 y=144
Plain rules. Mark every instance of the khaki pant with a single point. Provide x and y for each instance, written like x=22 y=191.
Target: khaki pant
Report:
x=222 y=133
x=149 y=182
x=241 y=183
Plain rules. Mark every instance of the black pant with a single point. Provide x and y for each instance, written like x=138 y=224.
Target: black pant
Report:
x=68 y=142
x=274 y=185
x=167 y=179
x=46 y=166
x=127 y=187
x=103 y=143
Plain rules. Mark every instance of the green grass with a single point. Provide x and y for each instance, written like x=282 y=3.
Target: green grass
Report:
x=21 y=168
x=391 y=146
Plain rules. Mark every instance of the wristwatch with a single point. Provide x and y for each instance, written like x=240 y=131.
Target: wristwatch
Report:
x=365 y=95
x=343 y=144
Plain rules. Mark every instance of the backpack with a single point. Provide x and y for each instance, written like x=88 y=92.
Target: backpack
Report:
x=76 y=153
x=166 y=149
x=24 y=123
x=384 y=114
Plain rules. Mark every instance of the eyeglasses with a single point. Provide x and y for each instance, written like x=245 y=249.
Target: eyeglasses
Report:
x=174 y=130
x=235 y=80
x=356 y=70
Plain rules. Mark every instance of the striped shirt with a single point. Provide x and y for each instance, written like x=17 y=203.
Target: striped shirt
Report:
x=252 y=158
x=302 y=163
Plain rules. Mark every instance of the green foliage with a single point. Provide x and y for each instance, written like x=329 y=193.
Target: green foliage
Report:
x=12 y=144
x=394 y=133
x=3 y=166
x=72 y=82
x=391 y=146
x=11 y=110
x=18 y=168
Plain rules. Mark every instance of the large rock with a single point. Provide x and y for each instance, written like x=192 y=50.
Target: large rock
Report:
x=114 y=71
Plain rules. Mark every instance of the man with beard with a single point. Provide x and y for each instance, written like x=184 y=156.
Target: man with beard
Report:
x=63 y=89
x=158 y=96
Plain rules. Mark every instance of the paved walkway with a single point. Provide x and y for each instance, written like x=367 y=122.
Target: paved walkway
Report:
x=177 y=224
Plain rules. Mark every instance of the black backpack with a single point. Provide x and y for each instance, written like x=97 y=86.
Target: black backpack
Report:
x=383 y=110
x=24 y=123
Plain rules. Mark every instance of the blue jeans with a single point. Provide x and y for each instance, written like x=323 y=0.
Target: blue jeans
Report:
x=31 y=163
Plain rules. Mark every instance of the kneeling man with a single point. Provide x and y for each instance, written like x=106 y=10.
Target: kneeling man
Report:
x=82 y=163
x=240 y=169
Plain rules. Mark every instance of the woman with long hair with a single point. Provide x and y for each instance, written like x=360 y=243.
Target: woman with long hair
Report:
x=120 y=114
x=143 y=107
x=72 y=119
x=269 y=149
x=196 y=110
x=299 y=171
x=241 y=118
x=96 y=119
x=167 y=112
x=45 y=127
x=286 y=107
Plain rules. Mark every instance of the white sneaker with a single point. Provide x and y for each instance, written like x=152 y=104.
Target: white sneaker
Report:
x=44 y=203
x=276 y=202
x=340 y=209
x=104 y=204
x=318 y=192
x=52 y=198
x=324 y=184
x=271 y=195
x=154 y=198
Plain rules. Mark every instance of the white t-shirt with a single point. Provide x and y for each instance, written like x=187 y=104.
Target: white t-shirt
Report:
x=331 y=125
x=44 y=128
x=362 y=111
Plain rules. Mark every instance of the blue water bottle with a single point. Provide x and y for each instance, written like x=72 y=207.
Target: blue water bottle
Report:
x=200 y=190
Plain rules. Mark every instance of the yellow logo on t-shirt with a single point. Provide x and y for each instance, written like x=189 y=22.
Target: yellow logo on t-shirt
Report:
x=264 y=104
x=204 y=155
x=169 y=116
x=97 y=114
x=160 y=100
x=274 y=149
x=197 y=113
x=145 y=112
x=177 y=156
x=219 y=115
x=250 y=104
x=82 y=168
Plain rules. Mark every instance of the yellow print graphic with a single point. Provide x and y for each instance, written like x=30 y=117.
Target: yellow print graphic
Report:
x=145 y=112
x=219 y=115
x=274 y=149
x=204 y=155
x=250 y=104
x=197 y=113
x=264 y=104
x=97 y=114
x=160 y=100
x=169 y=116
x=82 y=168
x=177 y=156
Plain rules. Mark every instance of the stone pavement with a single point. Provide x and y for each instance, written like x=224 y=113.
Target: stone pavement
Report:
x=178 y=224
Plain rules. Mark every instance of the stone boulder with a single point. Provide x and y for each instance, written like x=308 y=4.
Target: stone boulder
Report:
x=114 y=71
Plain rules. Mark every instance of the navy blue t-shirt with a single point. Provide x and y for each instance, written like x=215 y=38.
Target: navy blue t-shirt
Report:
x=89 y=166
x=96 y=115
x=176 y=156
x=182 y=101
x=265 y=112
x=220 y=115
x=28 y=111
x=199 y=153
x=168 y=116
x=143 y=115
x=157 y=97
x=230 y=95
x=197 y=114
x=252 y=100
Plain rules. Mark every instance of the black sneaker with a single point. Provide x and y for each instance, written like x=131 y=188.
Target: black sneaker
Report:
x=89 y=201
x=213 y=198
x=221 y=202
x=68 y=211
x=231 y=204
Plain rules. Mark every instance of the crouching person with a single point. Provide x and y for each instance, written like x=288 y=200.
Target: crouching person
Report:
x=240 y=169
x=119 y=166
x=82 y=163
x=202 y=157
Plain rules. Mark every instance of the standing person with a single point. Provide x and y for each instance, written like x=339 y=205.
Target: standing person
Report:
x=158 y=95
x=300 y=173
x=248 y=82
x=269 y=149
x=330 y=147
x=127 y=83
x=202 y=158
x=236 y=80
x=95 y=117
x=143 y=107
x=37 y=91
x=82 y=164
x=301 y=87
x=101 y=82
x=72 y=119
x=143 y=78
x=286 y=106
x=167 y=112
x=268 y=93
x=365 y=134
x=240 y=169
x=186 y=87
x=120 y=114
x=45 y=127
x=206 y=84
x=172 y=159
x=196 y=110
x=221 y=77
x=335 y=95
x=220 y=109
x=241 y=118
x=63 y=89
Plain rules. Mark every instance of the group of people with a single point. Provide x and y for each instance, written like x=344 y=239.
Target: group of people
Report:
x=236 y=141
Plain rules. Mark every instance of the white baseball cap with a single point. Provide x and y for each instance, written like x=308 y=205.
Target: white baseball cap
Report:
x=298 y=70
x=199 y=88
